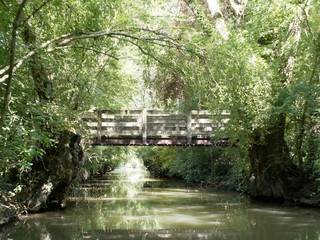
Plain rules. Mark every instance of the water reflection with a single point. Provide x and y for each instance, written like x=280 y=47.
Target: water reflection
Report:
x=126 y=204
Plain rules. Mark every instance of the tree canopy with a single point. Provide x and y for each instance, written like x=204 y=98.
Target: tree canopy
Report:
x=257 y=59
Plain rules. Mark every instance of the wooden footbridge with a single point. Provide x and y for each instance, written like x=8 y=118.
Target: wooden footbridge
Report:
x=157 y=127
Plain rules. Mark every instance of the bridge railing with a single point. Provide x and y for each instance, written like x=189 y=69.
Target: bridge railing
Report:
x=156 y=123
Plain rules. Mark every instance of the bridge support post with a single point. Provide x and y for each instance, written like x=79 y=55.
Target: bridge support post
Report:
x=144 y=127
x=99 y=127
x=189 y=127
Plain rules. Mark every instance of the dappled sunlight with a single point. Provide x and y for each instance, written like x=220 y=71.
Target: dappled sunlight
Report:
x=183 y=220
x=269 y=211
x=127 y=204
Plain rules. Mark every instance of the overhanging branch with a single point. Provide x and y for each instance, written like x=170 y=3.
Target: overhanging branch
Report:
x=89 y=49
x=161 y=40
x=18 y=63
x=144 y=52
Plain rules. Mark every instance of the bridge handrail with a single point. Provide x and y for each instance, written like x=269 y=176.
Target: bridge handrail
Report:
x=156 y=123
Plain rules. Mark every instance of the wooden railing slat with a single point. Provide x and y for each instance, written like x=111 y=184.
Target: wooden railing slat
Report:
x=156 y=123
x=120 y=124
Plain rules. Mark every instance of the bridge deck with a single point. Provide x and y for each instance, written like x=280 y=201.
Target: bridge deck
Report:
x=174 y=141
x=156 y=127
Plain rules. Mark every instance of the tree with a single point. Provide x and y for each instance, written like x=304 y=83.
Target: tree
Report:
x=66 y=62
x=262 y=66
x=15 y=26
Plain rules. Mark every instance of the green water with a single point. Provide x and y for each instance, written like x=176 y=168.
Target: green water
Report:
x=126 y=205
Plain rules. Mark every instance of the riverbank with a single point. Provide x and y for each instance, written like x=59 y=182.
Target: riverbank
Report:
x=9 y=211
x=307 y=195
x=119 y=206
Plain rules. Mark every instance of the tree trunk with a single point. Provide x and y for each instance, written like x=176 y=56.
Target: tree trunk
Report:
x=56 y=170
x=271 y=170
x=7 y=96
x=42 y=83
x=300 y=138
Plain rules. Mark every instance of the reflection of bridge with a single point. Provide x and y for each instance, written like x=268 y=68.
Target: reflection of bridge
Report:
x=157 y=127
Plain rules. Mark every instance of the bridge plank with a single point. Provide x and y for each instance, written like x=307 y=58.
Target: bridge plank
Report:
x=203 y=120
x=120 y=117
x=167 y=133
x=121 y=112
x=167 y=118
x=166 y=125
x=120 y=124
x=121 y=133
x=206 y=112
x=164 y=112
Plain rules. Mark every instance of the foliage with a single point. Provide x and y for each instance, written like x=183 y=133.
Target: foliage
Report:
x=99 y=160
x=260 y=64
x=200 y=165
x=263 y=67
x=213 y=166
x=57 y=83
x=158 y=160
x=30 y=129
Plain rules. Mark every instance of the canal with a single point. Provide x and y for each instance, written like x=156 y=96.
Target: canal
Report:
x=126 y=204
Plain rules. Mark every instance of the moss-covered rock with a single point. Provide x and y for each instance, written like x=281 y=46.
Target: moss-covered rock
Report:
x=55 y=172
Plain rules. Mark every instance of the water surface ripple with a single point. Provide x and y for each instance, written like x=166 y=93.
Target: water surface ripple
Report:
x=126 y=205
